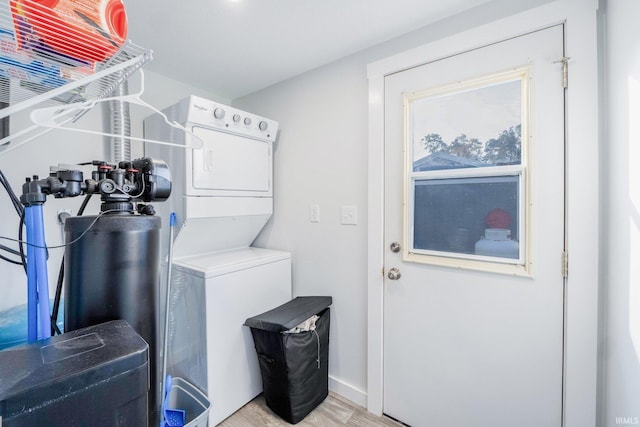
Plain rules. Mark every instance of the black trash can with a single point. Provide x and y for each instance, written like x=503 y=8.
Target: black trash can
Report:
x=95 y=376
x=294 y=362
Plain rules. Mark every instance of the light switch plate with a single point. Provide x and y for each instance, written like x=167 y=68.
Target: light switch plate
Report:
x=314 y=213
x=349 y=215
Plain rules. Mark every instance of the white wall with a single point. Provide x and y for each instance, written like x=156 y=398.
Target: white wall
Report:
x=622 y=251
x=321 y=158
x=68 y=147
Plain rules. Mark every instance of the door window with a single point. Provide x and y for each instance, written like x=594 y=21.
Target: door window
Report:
x=465 y=175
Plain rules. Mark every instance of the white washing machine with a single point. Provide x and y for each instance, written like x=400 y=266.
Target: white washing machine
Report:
x=213 y=294
x=223 y=196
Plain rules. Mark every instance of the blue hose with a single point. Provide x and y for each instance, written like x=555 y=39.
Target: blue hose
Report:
x=44 y=313
x=39 y=317
x=32 y=280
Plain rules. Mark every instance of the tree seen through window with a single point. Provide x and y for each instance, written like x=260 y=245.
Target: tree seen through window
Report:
x=465 y=151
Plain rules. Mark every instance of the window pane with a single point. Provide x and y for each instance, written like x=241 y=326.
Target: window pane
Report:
x=466 y=129
x=476 y=216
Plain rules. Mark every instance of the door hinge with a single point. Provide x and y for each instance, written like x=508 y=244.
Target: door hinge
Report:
x=565 y=70
x=565 y=264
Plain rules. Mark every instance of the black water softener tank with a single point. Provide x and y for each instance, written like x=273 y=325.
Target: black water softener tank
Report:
x=112 y=271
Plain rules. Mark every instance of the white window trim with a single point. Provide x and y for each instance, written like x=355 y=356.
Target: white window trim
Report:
x=518 y=267
x=581 y=322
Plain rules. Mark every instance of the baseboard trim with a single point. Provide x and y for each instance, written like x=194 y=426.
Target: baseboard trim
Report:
x=348 y=391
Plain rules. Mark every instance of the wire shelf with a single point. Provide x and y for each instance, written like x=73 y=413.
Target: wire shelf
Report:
x=51 y=58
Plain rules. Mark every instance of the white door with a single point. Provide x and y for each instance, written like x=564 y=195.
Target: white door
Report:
x=474 y=237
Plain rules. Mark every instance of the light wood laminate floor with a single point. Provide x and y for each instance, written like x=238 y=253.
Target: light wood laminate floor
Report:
x=334 y=411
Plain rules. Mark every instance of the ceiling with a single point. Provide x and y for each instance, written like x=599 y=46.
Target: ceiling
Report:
x=236 y=47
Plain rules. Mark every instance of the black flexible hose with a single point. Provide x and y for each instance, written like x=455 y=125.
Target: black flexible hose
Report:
x=9 y=260
x=56 y=301
x=20 y=244
x=58 y=296
x=8 y=249
x=15 y=201
x=11 y=251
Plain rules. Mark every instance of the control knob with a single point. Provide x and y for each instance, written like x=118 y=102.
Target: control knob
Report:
x=263 y=125
x=247 y=121
x=218 y=113
x=236 y=118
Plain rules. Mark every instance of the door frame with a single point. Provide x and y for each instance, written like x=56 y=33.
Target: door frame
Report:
x=582 y=195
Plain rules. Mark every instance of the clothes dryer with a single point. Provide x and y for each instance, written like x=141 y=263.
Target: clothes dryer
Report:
x=222 y=196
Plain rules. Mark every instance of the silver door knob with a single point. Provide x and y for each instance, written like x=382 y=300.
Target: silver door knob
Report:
x=395 y=247
x=394 y=274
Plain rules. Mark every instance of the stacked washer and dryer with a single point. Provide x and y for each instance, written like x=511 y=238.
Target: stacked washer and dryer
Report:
x=222 y=196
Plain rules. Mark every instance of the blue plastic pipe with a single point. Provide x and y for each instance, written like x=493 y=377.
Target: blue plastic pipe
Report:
x=44 y=313
x=32 y=280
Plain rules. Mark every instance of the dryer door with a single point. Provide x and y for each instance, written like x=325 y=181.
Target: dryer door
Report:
x=231 y=165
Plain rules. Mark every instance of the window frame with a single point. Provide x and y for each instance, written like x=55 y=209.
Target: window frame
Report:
x=520 y=266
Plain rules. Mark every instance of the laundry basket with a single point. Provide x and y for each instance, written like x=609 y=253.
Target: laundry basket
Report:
x=293 y=361
x=193 y=402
